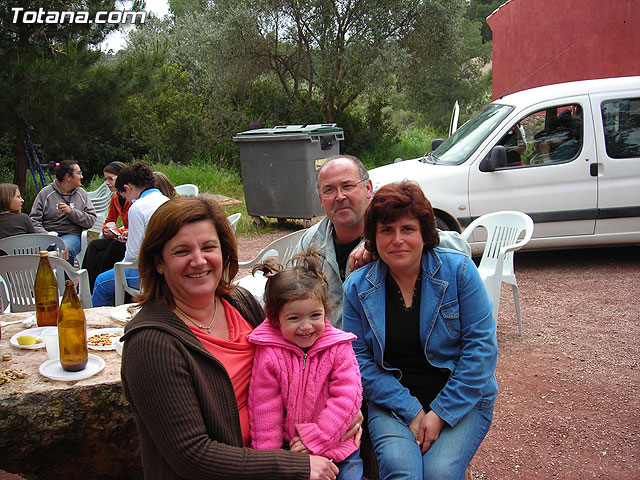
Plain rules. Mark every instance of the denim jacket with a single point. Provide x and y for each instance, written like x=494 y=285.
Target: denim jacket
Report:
x=457 y=331
x=321 y=236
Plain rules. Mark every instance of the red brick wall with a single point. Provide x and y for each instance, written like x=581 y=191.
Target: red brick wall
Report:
x=541 y=42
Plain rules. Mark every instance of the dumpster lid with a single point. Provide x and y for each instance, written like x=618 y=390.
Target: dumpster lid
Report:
x=293 y=131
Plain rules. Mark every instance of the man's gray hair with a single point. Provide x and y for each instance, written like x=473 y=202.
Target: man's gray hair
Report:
x=364 y=175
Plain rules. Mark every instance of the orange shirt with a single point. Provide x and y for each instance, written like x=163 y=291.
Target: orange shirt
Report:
x=236 y=355
x=115 y=211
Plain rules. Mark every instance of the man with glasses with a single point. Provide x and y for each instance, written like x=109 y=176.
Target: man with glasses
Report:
x=345 y=190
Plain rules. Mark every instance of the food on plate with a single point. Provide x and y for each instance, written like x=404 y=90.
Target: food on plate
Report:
x=131 y=311
x=28 y=340
x=102 y=339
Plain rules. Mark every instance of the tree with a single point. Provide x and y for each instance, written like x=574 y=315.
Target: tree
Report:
x=45 y=69
x=327 y=52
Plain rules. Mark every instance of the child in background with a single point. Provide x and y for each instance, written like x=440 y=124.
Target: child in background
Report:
x=305 y=388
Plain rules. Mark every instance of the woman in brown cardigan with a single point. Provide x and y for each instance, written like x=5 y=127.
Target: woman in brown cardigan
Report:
x=186 y=361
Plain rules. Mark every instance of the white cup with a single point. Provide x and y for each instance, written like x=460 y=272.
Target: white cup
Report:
x=50 y=335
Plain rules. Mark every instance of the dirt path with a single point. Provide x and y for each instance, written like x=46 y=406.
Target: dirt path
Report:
x=570 y=388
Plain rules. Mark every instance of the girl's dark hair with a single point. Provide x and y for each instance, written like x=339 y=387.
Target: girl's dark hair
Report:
x=66 y=166
x=138 y=174
x=302 y=279
x=7 y=192
x=114 y=168
x=397 y=200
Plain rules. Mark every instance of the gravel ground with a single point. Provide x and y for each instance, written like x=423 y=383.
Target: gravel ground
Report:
x=570 y=387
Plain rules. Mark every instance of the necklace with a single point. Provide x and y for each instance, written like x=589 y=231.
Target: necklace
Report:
x=213 y=317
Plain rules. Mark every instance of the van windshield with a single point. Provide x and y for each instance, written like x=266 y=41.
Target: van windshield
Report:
x=458 y=147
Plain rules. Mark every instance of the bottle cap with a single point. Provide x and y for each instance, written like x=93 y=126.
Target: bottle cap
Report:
x=44 y=253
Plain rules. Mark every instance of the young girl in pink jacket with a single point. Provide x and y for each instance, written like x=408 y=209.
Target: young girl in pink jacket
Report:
x=305 y=388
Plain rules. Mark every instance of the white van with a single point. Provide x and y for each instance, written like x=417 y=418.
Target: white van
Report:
x=567 y=154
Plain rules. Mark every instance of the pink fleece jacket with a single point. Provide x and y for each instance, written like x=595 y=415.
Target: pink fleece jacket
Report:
x=315 y=395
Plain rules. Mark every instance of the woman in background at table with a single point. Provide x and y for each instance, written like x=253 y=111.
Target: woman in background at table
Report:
x=186 y=363
x=136 y=184
x=426 y=341
x=103 y=253
x=12 y=220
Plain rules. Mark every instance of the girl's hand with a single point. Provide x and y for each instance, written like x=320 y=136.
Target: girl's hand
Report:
x=355 y=430
x=321 y=468
x=108 y=233
x=296 y=445
x=426 y=428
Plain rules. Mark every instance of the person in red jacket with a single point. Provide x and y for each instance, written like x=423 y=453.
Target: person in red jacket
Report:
x=103 y=253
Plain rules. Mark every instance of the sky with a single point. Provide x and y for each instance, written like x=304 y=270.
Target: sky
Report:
x=116 y=39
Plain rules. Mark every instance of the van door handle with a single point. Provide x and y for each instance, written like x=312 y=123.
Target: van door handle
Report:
x=593 y=169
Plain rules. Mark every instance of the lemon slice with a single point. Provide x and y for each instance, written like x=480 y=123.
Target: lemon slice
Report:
x=26 y=340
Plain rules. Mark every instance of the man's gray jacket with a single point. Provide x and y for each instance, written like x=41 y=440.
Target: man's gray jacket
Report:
x=321 y=236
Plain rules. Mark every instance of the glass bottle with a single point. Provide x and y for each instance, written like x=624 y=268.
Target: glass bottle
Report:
x=45 y=289
x=72 y=332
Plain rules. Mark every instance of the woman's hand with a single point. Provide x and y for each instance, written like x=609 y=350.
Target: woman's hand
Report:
x=359 y=257
x=355 y=430
x=426 y=428
x=107 y=233
x=296 y=445
x=321 y=468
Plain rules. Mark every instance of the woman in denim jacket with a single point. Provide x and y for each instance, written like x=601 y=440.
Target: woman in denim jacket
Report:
x=426 y=342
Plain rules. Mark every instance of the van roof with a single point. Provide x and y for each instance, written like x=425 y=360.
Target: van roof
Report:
x=583 y=87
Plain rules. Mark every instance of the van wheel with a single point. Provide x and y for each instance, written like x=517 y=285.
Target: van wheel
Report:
x=441 y=224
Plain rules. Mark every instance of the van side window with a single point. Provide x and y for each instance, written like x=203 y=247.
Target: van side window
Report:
x=552 y=135
x=621 y=121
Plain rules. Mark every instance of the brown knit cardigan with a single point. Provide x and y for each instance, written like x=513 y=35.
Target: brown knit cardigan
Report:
x=185 y=405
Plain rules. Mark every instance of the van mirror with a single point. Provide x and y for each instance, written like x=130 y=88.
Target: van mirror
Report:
x=496 y=159
x=436 y=143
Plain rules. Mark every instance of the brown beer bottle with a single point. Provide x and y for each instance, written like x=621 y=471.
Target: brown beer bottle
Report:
x=72 y=333
x=45 y=289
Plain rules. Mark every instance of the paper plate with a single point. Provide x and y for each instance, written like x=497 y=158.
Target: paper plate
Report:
x=121 y=314
x=53 y=369
x=107 y=331
x=36 y=332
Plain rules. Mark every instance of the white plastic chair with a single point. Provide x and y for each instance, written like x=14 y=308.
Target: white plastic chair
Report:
x=496 y=266
x=187 y=189
x=84 y=240
x=32 y=244
x=101 y=192
x=19 y=273
x=285 y=246
x=121 y=285
x=233 y=220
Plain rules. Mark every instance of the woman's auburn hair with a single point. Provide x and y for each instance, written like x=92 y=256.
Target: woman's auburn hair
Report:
x=164 y=224
x=7 y=192
x=397 y=200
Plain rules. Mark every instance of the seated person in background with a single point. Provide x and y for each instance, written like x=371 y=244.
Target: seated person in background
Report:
x=103 y=253
x=164 y=185
x=135 y=184
x=64 y=207
x=12 y=220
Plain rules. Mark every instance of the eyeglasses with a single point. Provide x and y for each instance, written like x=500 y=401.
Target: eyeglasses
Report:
x=110 y=179
x=329 y=191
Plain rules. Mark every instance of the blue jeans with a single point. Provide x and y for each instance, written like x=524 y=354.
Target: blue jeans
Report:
x=104 y=291
x=399 y=455
x=351 y=467
x=72 y=242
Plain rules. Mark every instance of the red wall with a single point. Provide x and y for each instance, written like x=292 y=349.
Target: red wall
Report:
x=540 y=42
